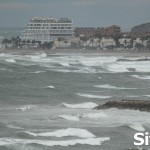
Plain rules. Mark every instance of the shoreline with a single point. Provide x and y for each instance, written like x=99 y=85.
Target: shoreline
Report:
x=125 y=53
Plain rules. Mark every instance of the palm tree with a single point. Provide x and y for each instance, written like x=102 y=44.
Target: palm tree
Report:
x=59 y=40
x=99 y=42
x=10 y=43
x=5 y=43
x=66 y=42
x=125 y=43
x=33 y=42
x=92 y=40
x=28 y=42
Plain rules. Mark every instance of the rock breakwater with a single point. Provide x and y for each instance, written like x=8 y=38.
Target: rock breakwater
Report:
x=141 y=105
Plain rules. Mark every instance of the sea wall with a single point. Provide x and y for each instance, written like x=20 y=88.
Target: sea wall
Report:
x=141 y=105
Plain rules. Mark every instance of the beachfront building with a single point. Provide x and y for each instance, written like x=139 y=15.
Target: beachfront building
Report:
x=48 y=29
x=138 y=43
x=107 y=42
x=125 y=42
x=73 y=42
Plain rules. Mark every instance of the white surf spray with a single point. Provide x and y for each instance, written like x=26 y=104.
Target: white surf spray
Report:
x=10 y=60
x=147 y=95
x=50 y=87
x=92 y=96
x=107 y=86
x=144 y=77
x=94 y=115
x=25 y=108
x=38 y=72
x=65 y=64
x=87 y=141
x=137 y=126
x=13 y=127
x=70 y=117
x=82 y=133
x=87 y=105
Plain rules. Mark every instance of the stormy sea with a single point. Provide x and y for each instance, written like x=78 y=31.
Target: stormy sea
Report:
x=47 y=101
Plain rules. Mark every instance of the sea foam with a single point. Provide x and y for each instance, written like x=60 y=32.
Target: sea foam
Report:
x=81 y=105
x=25 y=108
x=82 y=133
x=92 y=96
x=70 y=117
x=10 y=60
x=94 y=115
x=88 y=141
x=107 y=86
x=144 y=77
x=50 y=87
x=77 y=117
x=137 y=126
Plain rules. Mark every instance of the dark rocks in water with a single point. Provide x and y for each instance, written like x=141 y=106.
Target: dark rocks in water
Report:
x=130 y=60
x=141 y=105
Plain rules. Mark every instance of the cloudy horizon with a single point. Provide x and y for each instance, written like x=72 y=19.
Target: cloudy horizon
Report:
x=88 y=13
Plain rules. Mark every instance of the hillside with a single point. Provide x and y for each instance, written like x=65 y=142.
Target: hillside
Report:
x=141 y=28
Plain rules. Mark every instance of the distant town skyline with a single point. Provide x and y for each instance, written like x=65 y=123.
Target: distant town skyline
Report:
x=85 y=13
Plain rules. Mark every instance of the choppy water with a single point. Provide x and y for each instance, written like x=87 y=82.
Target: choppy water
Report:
x=47 y=101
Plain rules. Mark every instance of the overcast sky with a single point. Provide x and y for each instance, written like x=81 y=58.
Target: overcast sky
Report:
x=93 y=13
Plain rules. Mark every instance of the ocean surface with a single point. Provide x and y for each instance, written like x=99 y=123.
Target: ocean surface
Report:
x=8 y=32
x=47 y=101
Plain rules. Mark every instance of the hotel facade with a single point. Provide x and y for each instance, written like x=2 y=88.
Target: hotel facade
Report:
x=48 y=29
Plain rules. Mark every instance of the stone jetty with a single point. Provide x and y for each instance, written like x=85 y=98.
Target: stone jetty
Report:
x=141 y=105
x=130 y=60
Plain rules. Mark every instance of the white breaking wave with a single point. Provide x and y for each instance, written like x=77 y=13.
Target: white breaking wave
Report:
x=81 y=105
x=85 y=115
x=2 y=55
x=144 y=77
x=10 y=60
x=96 y=61
x=99 y=77
x=147 y=95
x=50 y=87
x=25 y=108
x=43 y=55
x=93 y=96
x=94 y=115
x=143 y=66
x=37 y=57
x=137 y=126
x=107 y=86
x=13 y=127
x=88 y=141
x=38 y=72
x=82 y=133
x=70 y=117
x=65 y=64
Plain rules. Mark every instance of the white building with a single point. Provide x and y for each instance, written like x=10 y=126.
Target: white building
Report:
x=125 y=42
x=48 y=29
x=137 y=41
x=107 y=42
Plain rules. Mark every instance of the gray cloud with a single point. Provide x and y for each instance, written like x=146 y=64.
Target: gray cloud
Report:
x=125 y=13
